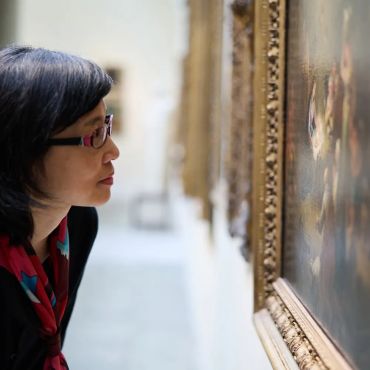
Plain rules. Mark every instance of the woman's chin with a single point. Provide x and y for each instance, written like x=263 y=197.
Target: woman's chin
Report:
x=103 y=199
x=95 y=201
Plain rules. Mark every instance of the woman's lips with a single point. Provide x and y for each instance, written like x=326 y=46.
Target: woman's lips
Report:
x=107 y=181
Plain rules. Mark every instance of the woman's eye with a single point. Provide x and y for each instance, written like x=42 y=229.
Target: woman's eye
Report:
x=96 y=132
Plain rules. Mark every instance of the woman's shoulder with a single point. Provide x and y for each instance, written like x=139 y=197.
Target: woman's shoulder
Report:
x=83 y=221
x=82 y=230
x=87 y=214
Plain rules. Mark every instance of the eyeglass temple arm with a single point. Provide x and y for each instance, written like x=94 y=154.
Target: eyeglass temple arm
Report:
x=66 y=141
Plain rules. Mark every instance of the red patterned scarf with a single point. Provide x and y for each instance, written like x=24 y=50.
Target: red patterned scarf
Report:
x=49 y=303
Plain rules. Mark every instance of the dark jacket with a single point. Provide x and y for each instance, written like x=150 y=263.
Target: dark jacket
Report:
x=20 y=345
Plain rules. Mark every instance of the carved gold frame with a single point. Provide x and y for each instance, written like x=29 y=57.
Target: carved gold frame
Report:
x=239 y=155
x=200 y=115
x=291 y=338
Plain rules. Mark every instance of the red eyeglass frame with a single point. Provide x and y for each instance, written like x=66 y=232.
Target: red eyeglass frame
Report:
x=88 y=139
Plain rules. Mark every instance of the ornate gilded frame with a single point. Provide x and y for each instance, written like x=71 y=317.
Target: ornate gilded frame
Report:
x=239 y=149
x=200 y=115
x=291 y=337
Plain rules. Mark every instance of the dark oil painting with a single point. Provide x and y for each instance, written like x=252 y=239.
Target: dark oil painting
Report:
x=326 y=233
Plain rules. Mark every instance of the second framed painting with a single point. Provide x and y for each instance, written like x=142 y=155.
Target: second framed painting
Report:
x=311 y=183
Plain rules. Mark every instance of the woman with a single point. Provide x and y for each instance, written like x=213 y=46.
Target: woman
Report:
x=56 y=163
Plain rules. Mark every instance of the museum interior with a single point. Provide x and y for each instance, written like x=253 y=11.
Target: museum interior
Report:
x=234 y=238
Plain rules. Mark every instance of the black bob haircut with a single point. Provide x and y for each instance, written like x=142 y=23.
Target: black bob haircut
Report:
x=41 y=93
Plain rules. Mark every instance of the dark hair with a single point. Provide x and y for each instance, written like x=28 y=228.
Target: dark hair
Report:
x=41 y=93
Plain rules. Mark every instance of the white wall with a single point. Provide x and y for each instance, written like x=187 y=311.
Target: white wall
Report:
x=147 y=38
x=220 y=289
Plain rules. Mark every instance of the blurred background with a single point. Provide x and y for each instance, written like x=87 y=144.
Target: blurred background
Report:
x=168 y=284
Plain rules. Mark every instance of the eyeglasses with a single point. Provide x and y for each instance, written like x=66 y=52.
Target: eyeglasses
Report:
x=96 y=140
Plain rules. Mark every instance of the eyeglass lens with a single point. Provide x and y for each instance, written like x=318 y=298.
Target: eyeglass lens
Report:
x=100 y=135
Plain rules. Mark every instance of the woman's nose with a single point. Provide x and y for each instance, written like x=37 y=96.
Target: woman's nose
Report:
x=111 y=151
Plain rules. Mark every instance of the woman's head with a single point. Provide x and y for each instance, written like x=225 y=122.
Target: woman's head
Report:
x=45 y=94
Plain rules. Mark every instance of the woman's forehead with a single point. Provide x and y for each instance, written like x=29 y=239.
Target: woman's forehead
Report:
x=94 y=116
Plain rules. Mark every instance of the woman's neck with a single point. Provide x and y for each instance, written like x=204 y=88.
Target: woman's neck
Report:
x=45 y=220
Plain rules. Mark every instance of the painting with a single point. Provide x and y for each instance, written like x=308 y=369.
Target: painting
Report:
x=311 y=183
x=115 y=98
x=327 y=250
